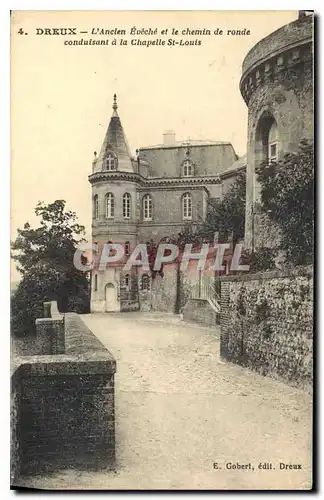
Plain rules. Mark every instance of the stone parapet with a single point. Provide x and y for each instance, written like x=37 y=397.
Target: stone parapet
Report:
x=282 y=52
x=62 y=406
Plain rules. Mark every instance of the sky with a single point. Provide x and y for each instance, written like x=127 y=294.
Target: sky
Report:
x=61 y=95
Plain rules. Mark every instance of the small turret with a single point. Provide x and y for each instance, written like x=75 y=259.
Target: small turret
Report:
x=115 y=153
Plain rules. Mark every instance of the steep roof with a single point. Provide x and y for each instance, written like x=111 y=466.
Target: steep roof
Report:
x=115 y=141
x=239 y=164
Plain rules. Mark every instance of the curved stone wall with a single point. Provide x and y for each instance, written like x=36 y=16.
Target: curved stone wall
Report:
x=277 y=85
x=295 y=33
x=285 y=48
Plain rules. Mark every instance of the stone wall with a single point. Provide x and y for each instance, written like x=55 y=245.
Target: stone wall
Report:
x=290 y=35
x=63 y=406
x=15 y=396
x=267 y=323
x=164 y=290
x=200 y=311
x=50 y=331
x=171 y=292
x=277 y=86
x=167 y=217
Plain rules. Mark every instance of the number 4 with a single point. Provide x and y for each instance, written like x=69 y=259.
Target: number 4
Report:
x=21 y=31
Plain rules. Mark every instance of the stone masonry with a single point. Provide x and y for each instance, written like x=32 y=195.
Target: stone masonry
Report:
x=62 y=406
x=267 y=323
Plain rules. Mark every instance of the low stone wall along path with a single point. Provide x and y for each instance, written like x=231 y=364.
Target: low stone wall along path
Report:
x=179 y=410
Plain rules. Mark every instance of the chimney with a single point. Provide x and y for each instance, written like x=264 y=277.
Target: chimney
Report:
x=169 y=137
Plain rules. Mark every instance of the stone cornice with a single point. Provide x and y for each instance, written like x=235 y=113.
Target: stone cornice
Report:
x=158 y=182
x=286 y=63
x=182 y=181
x=104 y=176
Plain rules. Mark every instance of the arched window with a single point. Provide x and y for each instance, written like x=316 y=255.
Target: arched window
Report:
x=187 y=206
x=96 y=206
x=95 y=284
x=145 y=283
x=110 y=206
x=147 y=207
x=187 y=168
x=127 y=248
x=110 y=162
x=266 y=148
x=127 y=282
x=126 y=206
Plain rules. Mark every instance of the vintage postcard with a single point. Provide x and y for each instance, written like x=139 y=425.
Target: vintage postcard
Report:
x=162 y=250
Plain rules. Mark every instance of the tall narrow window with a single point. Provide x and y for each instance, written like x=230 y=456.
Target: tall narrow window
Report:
x=127 y=248
x=110 y=162
x=96 y=206
x=147 y=207
x=110 y=206
x=95 y=285
x=145 y=283
x=187 y=206
x=126 y=206
x=187 y=167
x=273 y=143
x=127 y=282
x=112 y=251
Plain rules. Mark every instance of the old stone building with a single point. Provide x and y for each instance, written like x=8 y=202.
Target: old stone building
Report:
x=155 y=194
x=277 y=86
x=148 y=197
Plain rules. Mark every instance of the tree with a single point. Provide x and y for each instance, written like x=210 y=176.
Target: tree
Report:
x=44 y=257
x=226 y=216
x=287 y=196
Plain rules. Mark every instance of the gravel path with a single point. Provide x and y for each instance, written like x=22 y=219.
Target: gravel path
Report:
x=179 y=410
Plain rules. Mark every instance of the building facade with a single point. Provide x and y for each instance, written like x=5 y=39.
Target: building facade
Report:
x=148 y=197
x=155 y=194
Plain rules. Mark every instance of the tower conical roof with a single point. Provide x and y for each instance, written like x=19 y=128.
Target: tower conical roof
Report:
x=115 y=142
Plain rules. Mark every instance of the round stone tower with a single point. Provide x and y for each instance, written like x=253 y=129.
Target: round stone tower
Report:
x=277 y=86
x=114 y=180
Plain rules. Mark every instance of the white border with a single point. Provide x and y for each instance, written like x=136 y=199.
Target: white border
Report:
x=5 y=176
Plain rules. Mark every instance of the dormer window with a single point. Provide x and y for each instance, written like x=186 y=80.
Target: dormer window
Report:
x=110 y=162
x=187 y=168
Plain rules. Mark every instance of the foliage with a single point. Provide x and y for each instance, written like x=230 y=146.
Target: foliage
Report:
x=261 y=259
x=44 y=257
x=227 y=215
x=287 y=195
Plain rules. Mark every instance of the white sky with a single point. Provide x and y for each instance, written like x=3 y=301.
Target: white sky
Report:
x=62 y=96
